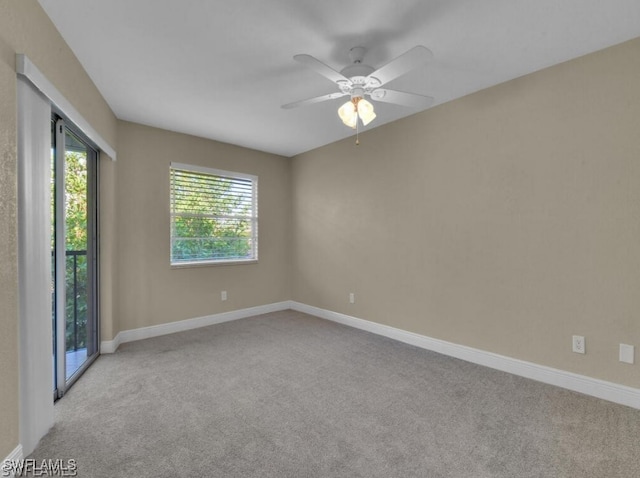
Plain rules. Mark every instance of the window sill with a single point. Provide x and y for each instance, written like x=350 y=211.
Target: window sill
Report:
x=188 y=265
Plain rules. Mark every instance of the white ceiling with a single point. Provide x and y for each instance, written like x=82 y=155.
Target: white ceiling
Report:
x=222 y=69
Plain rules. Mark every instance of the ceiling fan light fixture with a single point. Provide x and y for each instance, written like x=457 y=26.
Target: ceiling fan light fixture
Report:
x=356 y=107
x=365 y=111
x=348 y=113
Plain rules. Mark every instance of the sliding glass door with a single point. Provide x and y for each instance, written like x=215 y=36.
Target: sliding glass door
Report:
x=73 y=254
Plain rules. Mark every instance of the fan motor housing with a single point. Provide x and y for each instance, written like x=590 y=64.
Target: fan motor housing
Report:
x=357 y=70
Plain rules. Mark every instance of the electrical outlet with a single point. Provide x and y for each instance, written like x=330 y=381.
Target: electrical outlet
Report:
x=352 y=298
x=626 y=353
x=579 y=346
x=223 y=295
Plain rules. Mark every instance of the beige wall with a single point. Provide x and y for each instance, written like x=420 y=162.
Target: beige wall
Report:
x=149 y=291
x=507 y=221
x=8 y=252
x=107 y=253
x=25 y=28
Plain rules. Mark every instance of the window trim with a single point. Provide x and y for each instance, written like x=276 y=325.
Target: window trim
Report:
x=254 y=216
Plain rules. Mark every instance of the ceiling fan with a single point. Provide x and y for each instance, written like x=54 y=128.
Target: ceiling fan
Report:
x=359 y=80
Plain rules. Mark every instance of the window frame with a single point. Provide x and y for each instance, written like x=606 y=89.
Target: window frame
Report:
x=232 y=175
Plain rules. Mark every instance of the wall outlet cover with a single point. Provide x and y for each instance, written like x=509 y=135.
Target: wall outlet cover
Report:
x=578 y=344
x=627 y=353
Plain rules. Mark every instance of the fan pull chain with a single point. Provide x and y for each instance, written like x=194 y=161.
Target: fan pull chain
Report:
x=357 y=132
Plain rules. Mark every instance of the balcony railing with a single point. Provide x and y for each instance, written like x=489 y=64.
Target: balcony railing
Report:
x=75 y=300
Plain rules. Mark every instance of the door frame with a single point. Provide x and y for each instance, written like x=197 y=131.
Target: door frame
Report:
x=63 y=126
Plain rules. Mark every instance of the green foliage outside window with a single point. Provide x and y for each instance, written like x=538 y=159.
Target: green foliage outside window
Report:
x=76 y=240
x=76 y=279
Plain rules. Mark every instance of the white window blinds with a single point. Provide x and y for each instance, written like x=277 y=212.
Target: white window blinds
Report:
x=214 y=215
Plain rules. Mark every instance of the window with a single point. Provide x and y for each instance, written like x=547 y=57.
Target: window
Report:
x=214 y=216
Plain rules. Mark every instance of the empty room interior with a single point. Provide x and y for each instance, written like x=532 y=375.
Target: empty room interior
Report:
x=296 y=238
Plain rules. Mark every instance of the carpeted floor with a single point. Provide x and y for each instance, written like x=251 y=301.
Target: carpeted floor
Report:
x=289 y=395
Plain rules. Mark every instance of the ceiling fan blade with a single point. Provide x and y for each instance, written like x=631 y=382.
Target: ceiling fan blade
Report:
x=321 y=68
x=311 y=101
x=401 y=98
x=402 y=64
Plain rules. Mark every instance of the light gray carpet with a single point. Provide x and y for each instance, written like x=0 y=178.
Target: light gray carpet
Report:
x=289 y=395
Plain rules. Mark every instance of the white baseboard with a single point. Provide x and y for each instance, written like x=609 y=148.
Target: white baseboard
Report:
x=110 y=346
x=14 y=456
x=578 y=383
